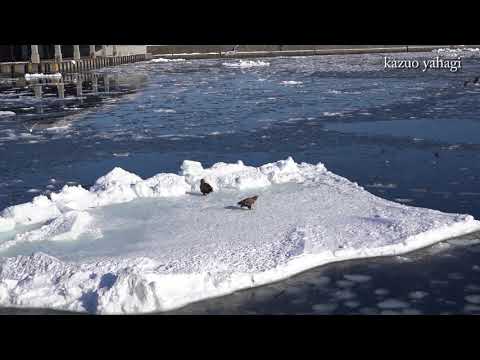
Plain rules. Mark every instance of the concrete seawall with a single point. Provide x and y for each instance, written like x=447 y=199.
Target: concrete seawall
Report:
x=251 y=51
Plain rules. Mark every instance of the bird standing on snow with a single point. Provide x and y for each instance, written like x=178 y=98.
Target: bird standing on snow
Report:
x=205 y=188
x=248 y=202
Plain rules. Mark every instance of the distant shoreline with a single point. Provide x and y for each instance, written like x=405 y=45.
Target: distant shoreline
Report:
x=157 y=52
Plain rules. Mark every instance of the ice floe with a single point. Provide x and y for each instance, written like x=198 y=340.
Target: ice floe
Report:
x=157 y=246
x=6 y=113
x=246 y=64
x=163 y=60
x=292 y=82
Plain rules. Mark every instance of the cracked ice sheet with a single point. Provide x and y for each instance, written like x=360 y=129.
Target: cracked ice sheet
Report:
x=160 y=253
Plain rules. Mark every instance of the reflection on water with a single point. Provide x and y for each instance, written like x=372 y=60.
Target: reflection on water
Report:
x=43 y=99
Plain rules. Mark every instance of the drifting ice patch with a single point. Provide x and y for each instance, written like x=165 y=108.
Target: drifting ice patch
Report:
x=6 y=113
x=164 y=252
x=164 y=111
x=292 y=82
x=163 y=60
x=246 y=64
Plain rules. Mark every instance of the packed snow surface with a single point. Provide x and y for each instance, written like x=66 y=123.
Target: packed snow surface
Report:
x=130 y=245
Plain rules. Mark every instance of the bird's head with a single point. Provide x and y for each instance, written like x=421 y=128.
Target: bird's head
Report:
x=255 y=197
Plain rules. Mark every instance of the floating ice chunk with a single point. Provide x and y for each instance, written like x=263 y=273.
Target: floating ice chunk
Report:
x=164 y=111
x=246 y=64
x=344 y=294
x=417 y=295
x=351 y=304
x=455 y=276
x=163 y=60
x=368 y=311
x=6 y=113
x=392 y=304
x=358 y=278
x=345 y=283
x=327 y=113
x=389 y=312
x=411 y=312
x=293 y=290
x=382 y=186
x=291 y=82
x=319 y=281
x=474 y=299
x=324 y=308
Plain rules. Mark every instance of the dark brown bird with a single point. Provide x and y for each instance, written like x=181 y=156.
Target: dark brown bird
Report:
x=248 y=202
x=205 y=188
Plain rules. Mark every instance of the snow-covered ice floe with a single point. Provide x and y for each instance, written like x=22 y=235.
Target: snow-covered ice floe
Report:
x=42 y=76
x=246 y=64
x=144 y=245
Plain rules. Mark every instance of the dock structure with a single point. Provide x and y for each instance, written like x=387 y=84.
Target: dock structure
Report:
x=77 y=63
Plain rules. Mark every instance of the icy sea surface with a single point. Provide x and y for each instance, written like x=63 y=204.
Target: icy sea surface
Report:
x=406 y=136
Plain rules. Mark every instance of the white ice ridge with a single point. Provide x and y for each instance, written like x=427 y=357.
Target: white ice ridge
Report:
x=246 y=64
x=129 y=245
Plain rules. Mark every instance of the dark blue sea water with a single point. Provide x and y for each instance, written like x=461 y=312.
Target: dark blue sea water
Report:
x=405 y=135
